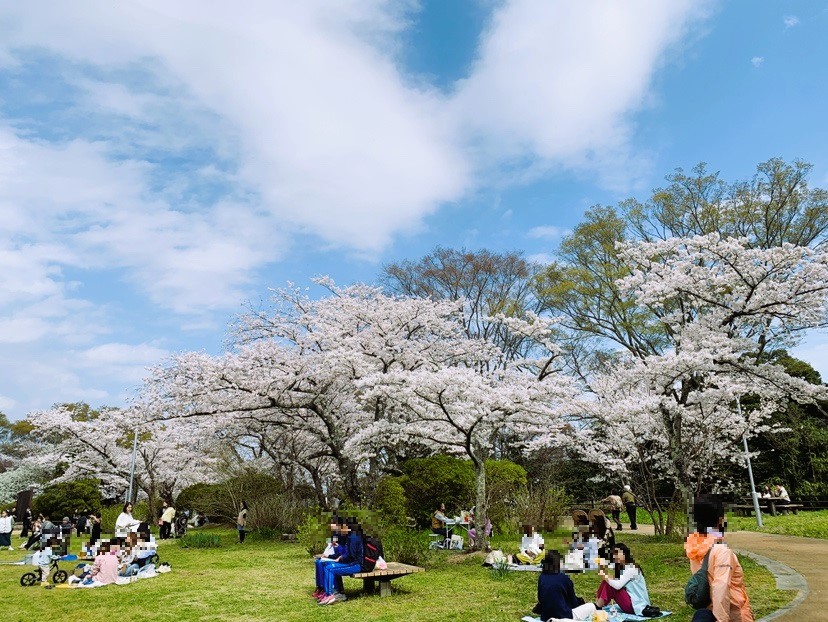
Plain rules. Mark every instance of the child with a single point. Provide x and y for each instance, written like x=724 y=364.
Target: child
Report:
x=43 y=559
x=556 y=594
x=628 y=587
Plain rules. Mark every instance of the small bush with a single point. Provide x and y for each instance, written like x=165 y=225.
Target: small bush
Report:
x=314 y=531
x=390 y=501
x=265 y=534
x=541 y=507
x=407 y=546
x=500 y=569
x=200 y=540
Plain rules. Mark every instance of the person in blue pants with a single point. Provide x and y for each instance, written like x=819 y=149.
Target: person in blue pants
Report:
x=338 y=551
x=349 y=563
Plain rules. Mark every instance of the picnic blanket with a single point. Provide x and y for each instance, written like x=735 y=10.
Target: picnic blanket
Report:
x=524 y=567
x=622 y=617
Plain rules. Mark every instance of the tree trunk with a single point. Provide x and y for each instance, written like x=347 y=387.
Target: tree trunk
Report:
x=481 y=512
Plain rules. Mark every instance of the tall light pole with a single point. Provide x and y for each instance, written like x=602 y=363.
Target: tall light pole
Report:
x=753 y=494
x=132 y=466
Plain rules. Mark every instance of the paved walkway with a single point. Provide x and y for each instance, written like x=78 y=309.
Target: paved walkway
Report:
x=806 y=556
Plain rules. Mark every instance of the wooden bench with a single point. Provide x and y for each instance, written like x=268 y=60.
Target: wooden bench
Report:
x=747 y=510
x=395 y=570
x=742 y=510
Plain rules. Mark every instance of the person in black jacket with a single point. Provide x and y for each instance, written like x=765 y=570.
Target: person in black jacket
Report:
x=348 y=563
x=556 y=594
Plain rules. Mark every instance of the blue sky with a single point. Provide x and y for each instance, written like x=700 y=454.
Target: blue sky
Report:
x=161 y=165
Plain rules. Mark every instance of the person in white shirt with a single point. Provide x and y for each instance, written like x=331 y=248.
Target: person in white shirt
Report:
x=627 y=588
x=125 y=523
x=780 y=492
x=6 y=527
x=531 y=546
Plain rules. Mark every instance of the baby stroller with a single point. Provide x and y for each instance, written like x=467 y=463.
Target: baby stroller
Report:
x=181 y=523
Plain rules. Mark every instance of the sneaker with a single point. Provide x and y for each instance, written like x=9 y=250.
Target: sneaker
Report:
x=339 y=597
x=317 y=593
x=328 y=600
x=11 y=548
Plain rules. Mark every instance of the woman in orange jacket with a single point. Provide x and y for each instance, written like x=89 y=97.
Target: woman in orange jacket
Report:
x=729 y=599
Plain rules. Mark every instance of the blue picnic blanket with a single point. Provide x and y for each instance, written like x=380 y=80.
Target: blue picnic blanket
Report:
x=631 y=617
x=622 y=617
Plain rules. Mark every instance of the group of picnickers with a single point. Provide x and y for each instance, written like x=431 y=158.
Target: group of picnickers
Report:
x=716 y=589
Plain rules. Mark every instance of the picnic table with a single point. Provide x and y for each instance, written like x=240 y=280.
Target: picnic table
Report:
x=395 y=570
x=769 y=504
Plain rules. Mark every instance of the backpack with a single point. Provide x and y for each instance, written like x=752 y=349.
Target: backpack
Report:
x=697 y=590
x=372 y=551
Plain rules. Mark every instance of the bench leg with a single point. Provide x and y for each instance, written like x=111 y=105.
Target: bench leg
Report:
x=368 y=586
x=385 y=588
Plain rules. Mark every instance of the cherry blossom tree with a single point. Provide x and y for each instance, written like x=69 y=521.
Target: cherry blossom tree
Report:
x=723 y=306
x=292 y=375
x=464 y=407
x=98 y=443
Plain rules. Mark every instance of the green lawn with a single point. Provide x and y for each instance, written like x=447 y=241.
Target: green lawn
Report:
x=273 y=581
x=810 y=524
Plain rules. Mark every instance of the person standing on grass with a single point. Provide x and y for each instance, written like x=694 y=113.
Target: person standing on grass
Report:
x=241 y=522
x=614 y=504
x=27 y=522
x=349 y=563
x=630 y=504
x=6 y=527
x=729 y=599
x=167 y=517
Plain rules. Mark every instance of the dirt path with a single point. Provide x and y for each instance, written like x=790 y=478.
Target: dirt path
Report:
x=806 y=556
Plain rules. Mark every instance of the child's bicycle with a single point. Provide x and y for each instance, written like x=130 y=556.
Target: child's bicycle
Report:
x=33 y=578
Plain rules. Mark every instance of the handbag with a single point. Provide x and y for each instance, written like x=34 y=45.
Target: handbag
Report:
x=651 y=611
x=697 y=590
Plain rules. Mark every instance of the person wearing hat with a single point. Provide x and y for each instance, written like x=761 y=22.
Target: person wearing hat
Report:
x=630 y=504
x=65 y=535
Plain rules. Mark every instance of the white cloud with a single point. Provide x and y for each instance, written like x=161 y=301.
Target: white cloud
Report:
x=790 y=21
x=757 y=61
x=310 y=126
x=557 y=82
x=547 y=232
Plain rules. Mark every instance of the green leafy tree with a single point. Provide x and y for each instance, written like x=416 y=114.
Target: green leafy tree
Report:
x=66 y=498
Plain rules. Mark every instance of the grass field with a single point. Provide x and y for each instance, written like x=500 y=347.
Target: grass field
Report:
x=810 y=524
x=273 y=580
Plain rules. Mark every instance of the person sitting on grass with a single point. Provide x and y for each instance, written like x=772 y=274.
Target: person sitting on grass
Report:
x=334 y=550
x=105 y=569
x=556 y=593
x=531 y=547
x=627 y=587
x=348 y=563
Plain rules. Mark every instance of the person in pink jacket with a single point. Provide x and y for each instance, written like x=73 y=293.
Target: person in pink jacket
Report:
x=729 y=599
